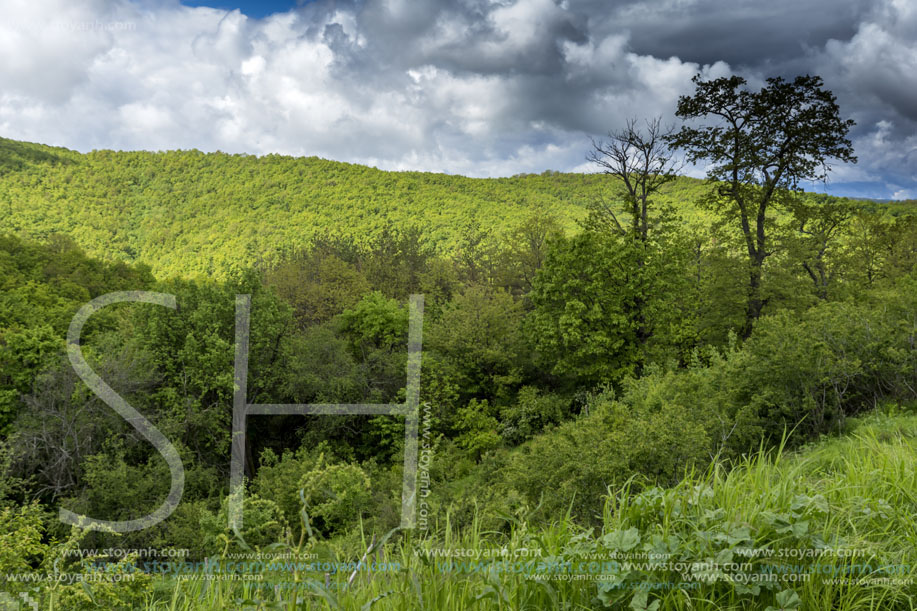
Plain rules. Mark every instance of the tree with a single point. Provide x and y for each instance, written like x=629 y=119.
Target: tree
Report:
x=376 y=329
x=643 y=164
x=760 y=146
x=582 y=324
x=478 y=341
x=526 y=247
x=318 y=284
x=819 y=225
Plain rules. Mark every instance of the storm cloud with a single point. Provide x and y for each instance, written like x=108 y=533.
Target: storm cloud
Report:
x=477 y=87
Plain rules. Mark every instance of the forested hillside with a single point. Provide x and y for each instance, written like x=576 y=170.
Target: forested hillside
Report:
x=189 y=213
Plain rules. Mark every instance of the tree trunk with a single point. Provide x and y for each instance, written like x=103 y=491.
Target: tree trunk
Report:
x=755 y=303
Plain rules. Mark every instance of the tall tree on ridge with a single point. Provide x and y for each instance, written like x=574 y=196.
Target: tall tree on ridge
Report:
x=760 y=146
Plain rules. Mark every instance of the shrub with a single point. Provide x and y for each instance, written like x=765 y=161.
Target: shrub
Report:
x=811 y=370
x=335 y=495
x=278 y=478
x=646 y=432
x=479 y=341
x=21 y=533
x=263 y=524
x=479 y=428
x=531 y=413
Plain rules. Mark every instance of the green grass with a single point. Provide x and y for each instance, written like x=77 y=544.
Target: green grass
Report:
x=857 y=494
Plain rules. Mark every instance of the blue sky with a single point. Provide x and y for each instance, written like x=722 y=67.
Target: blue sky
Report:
x=252 y=8
x=474 y=87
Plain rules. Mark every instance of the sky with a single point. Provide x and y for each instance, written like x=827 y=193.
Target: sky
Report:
x=474 y=87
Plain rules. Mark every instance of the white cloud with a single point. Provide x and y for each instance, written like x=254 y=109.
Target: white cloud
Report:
x=471 y=87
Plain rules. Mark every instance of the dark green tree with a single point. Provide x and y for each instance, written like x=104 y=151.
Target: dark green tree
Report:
x=318 y=284
x=478 y=341
x=818 y=225
x=583 y=297
x=759 y=146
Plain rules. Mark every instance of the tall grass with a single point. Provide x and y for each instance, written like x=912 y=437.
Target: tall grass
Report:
x=835 y=523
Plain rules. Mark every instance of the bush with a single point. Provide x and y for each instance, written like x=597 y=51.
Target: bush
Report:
x=263 y=524
x=335 y=495
x=532 y=413
x=278 y=478
x=478 y=339
x=647 y=432
x=21 y=538
x=479 y=428
x=811 y=370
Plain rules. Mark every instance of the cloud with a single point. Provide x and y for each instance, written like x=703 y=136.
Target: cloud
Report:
x=874 y=74
x=479 y=87
x=747 y=34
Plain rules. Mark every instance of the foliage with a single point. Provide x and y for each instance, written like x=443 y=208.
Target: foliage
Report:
x=479 y=342
x=760 y=146
x=586 y=297
x=317 y=285
x=776 y=531
x=580 y=325
x=564 y=360
x=532 y=413
x=263 y=524
x=21 y=537
x=479 y=428
x=650 y=430
x=41 y=288
x=810 y=372
x=278 y=478
x=237 y=211
x=335 y=494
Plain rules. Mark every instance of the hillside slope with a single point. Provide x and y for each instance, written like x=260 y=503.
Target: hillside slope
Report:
x=189 y=213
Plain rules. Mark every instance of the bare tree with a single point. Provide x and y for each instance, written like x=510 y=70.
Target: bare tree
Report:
x=65 y=423
x=643 y=163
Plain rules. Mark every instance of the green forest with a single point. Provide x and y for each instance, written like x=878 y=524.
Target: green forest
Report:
x=628 y=400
